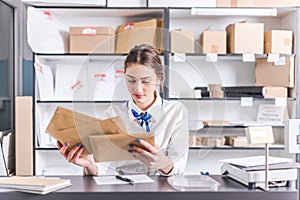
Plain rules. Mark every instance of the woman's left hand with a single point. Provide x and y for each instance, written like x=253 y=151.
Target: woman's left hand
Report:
x=152 y=156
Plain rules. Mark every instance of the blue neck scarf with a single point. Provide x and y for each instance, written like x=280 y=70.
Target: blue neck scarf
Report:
x=142 y=118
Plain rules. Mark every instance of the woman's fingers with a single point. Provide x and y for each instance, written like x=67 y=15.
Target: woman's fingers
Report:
x=59 y=145
x=149 y=147
x=140 y=157
x=77 y=154
x=64 y=149
x=72 y=152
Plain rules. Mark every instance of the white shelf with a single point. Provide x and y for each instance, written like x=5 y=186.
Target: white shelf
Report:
x=227 y=57
x=186 y=12
x=106 y=12
x=273 y=146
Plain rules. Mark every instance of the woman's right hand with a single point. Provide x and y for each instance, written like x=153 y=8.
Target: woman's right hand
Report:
x=74 y=156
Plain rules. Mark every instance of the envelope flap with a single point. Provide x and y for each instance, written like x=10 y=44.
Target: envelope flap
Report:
x=113 y=125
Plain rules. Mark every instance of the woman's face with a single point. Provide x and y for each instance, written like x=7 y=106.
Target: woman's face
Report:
x=141 y=83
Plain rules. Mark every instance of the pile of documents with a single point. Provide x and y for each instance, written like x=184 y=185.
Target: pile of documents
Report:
x=38 y=185
x=7 y=152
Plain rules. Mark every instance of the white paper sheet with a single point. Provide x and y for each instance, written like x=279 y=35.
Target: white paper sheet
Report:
x=111 y=180
x=70 y=82
x=45 y=81
x=101 y=81
x=46 y=33
x=43 y=116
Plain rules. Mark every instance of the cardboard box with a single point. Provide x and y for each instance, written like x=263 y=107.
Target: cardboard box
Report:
x=92 y=40
x=216 y=94
x=215 y=123
x=235 y=3
x=278 y=41
x=276 y=4
x=213 y=42
x=269 y=74
x=182 y=41
x=215 y=142
x=239 y=38
x=136 y=33
x=210 y=141
x=274 y=92
x=214 y=87
x=240 y=141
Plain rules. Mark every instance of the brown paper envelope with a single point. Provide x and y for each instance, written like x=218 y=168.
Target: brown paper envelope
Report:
x=115 y=147
x=64 y=118
x=73 y=127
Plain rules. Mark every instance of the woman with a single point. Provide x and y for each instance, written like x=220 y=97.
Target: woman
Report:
x=168 y=120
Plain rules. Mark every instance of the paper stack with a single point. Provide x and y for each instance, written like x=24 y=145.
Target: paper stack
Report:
x=38 y=185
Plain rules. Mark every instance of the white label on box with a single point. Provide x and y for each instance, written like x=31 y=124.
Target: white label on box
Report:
x=248 y=57
x=89 y=31
x=211 y=57
x=246 y=101
x=273 y=57
x=280 y=101
x=179 y=57
x=281 y=61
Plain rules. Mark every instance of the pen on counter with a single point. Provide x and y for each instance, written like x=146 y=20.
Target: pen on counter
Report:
x=130 y=181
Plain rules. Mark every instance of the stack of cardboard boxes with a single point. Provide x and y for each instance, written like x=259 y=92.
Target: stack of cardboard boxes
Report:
x=277 y=77
x=102 y=39
x=240 y=38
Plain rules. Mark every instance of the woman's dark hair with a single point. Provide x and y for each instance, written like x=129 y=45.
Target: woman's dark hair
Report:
x=148 y=56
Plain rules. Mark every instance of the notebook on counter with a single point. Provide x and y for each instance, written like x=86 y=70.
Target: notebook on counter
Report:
x=39 y=185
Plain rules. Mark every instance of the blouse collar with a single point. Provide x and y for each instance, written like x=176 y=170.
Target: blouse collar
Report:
x=154 y=110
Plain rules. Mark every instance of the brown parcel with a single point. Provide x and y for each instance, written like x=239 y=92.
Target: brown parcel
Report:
x=92 y=39
x=278 y=41
x=245 y=38
x=182 y=41
x=269 y=74
x=213 y=42
x=135 y=33
x=66 y=125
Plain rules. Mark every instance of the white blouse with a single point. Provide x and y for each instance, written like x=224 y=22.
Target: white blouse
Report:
x=169 y=123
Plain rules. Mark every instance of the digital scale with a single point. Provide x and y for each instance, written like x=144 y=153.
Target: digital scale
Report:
x=256 y=178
